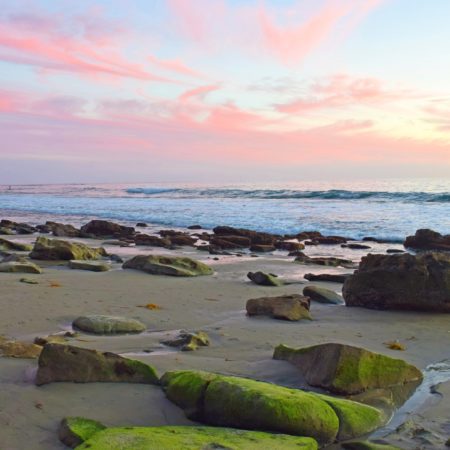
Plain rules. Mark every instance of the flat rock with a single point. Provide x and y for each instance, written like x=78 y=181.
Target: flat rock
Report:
x=99 y=324
x=93 y=266
x=324 y=261
x=406 y=282
x=264 y=279
x=19 y=267
x=331 y=277
x=168 y=265
x=10 y=245
x=345 y=369
x=81 y=365
x=18 y=349
x=322 y=295
x=355 y=246
x=55 y=249
x=286 y=307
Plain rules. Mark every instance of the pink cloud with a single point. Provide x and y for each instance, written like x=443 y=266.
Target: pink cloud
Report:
x=198 y=92
x=176 y=66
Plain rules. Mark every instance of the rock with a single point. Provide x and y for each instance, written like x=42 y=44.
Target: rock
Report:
x=331 y=277
x=368 y=445
x=168 y=265
x=259 y=248
x=6 y=231
x=93 y=266
x=19 y=267
x=264 y=279
x=95 y=436
x=394 y=250
x=73 y=431
x=356 y=246
x=60 y=229
x=344 y=369
x=28 y=281
x=182 y=239
x=425 y=239
x=322 y=295
x=330 y=240
x=153 y=241
x=255 y=237
x=81 y=365
x=409 y=282
x=323 y=261
x=195 y=227
x=244 y=403
x=141 y=225
x=61 y=338
x=286 y=307
x=289 y=246
x=16 y=246
x=98 y=324
x=230 y=242
x=188 y=341
x=18 y=349
x=55 y=249
x=115 y=258
x=103 y=228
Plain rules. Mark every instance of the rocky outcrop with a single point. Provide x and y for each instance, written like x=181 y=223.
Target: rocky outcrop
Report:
x=324 y=261
x=230 y=242
x=99 y=324
x=255 y=237
x=153 y=241
x=75 y=430
x=59 y=362
x=92 y=266
x=331 y=277
x=264 y=279
x=344 y=369
x=253 y=405
x=6 y=245
x=409 y=282
x=168 y=265
x=289 y=246
x=61 y=229
x=322 y=295
x=105 y=229
x=19 y=267
x=55 y=249
x=188 y=341
x=425 y=239
x=286 y=307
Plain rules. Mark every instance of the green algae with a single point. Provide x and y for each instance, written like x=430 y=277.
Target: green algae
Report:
x=75 y=430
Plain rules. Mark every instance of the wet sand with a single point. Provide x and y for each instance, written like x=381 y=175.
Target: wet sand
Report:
x=240 y=345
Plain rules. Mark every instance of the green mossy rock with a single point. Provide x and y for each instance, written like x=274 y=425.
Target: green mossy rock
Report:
x=322 y=295
x=19 y=267
x=192 y=438
x=367 y=445
x=188 y=342
x=92 y=266
x=73 y=431
x=99 y=324
x=243 y=403
x=285 y=307
x=344 y=369
x=59 y=362
x=6 y=245
x=264 y=279
x=168 y=265
x=55 y=249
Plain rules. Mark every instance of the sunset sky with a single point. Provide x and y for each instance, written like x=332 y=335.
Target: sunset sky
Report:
x=215 y=90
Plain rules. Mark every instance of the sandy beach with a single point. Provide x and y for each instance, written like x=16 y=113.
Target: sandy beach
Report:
x=240 y=345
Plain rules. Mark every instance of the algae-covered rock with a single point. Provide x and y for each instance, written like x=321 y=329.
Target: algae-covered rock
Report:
x=345 y=369
x=99 y=324
x=18 y=349
x=19 y=267
x=286 y=307
x=368 y=445
x=67 y=363
x=10 y=245
x=93 y=266
x=73 y=431
x=243 y=403
x=322 y=295
x=188 y=341
x=264 y=279
x=192 y=438
x=168 y=265
x=56 y=249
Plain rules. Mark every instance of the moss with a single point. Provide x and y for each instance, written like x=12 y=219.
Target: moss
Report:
x=10 y=245
x=193 y=438
x=75 y=430
x=147 y=372
x=355 y=419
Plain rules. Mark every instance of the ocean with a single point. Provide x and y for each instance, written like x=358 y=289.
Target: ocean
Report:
x=386 y=209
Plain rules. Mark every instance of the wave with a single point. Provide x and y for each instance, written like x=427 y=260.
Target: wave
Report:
x=333 y=194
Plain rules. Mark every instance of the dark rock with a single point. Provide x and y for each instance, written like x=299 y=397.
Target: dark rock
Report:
x=289 y=246
x=409 y=282
x=344 y=369
x=286 y=307
x=324 y=261
x=322 y=295
x=115 y=258
x=141 y=225
x=188 y=341
x=59 y=362
x=311 y=243
x=60 y=229
x=394 y=250
x=151 y=241
x=259 y=248
x=195 y=227
x=16 y=246
x=73 y=431
x=264 y=279
x=182 y=239
x=256 y=237
x=104 y=228
x=356 y=246
x=425 y=239
x=308 y=235
x=330 y=240
x=230 y=242
x=331 y=277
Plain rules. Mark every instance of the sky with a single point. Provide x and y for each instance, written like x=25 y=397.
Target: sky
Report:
x=223 y=90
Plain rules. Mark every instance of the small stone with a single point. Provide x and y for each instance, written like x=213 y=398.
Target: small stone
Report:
x=99 y=324
x=92 y=266
x=264 y=279
x=189 y=341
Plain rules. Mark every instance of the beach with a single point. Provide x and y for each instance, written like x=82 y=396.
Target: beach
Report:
x=240 y=345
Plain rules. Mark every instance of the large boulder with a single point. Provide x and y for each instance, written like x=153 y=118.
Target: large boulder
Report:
x=74 y=431
x=264 y=279
x=17 y=246
x=92 y=266
x=425 y=239
x=61 y=229
x=168 y=265
x=322 y=295
x=344 y=369
x=254 y=405
x=59 y=362
x=98 y=324
x=55 y=249
x=256 y=237
x=19 y=267
x=104 y=228
x=409 y=282
x=286 y=307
